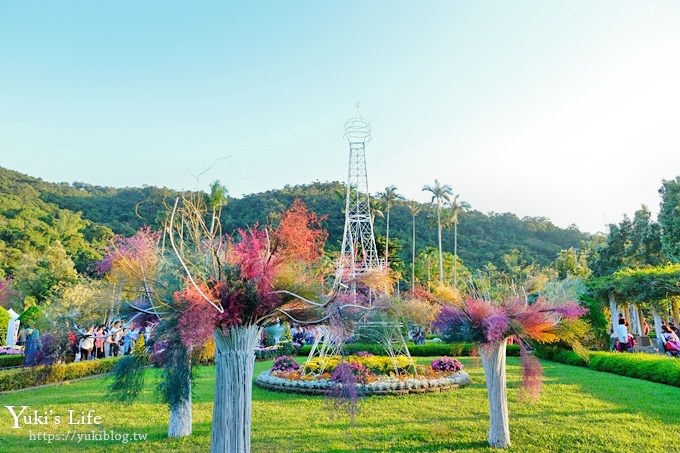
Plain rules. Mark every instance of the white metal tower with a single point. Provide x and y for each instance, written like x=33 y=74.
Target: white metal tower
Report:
x=358 y=257
x=358 y=254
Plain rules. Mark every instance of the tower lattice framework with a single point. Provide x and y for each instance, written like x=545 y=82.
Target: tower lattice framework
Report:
x=359 y=256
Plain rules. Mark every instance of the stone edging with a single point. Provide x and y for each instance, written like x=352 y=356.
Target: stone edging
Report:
x=388 y=386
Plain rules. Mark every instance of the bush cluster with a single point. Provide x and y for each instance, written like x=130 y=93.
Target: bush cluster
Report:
x=285 y=363
x=650 y=367
x=374 y=364
x=40 y=375
x=420 y=350
x=446 y=364
x=557 y=354
x=11 y=360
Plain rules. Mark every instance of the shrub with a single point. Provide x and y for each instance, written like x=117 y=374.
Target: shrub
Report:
x=383 y=364
x=4 y=319
x=11 y=360
x=285 y=363
x=40 y=375
x=446 y=365
x=376 y=364
x=650 y=367
x=32 y=317
x=267 y=353
x=557 y=354
x=205 y=355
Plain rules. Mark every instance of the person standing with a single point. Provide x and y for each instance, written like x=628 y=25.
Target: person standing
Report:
x=622 y=336
x=645 y=327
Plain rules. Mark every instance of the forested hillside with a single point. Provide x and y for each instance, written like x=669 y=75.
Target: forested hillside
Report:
x=482 y=238
x=42 y=246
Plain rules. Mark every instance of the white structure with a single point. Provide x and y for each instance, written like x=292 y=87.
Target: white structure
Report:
x=12 y=328
x=358 y=254
x=358 y=257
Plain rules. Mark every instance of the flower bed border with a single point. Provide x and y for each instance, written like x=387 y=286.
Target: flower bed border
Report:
x=384 y=387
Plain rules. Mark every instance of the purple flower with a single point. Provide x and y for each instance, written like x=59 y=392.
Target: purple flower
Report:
x=446 y=365
x=285 y=363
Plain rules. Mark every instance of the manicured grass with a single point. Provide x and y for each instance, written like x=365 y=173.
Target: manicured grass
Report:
x=580 y=410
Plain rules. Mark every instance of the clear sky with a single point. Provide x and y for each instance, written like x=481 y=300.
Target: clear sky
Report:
x=563 y=109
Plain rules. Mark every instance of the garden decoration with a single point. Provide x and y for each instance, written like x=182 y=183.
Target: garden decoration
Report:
x=346 y=378
x=490 y=323
x=213 y=285
x=145 y=275
x=236 y=286
x=361 y=277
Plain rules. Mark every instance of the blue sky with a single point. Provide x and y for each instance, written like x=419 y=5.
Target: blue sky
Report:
x=563 y=109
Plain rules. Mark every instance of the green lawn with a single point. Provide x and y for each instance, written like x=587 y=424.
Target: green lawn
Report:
x=580 y=410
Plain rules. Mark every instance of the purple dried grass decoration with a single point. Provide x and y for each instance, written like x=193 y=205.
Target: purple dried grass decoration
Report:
x=344 y=392
x=497 y=327
x=448 y=316
x=531 y=374
x=570 y=310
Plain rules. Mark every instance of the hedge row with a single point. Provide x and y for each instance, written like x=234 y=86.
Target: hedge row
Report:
x=650 y=367
x=11 y=360
x=561 y=355
x=420 y=350
x=40 y=375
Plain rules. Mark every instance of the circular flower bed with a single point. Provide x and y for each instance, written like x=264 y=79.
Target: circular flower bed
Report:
x=372 y=376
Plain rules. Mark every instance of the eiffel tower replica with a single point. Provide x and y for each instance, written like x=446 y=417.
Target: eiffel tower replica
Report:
x=358 y=258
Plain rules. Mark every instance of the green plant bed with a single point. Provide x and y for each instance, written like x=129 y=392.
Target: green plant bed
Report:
x=420 y=350
x=11 y=360
x=39 y=375
x=650 y=367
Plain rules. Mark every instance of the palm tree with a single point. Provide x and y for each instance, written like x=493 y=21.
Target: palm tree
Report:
x=375 y=210
x=440 y=195
x=455 y=209
x=414 y=207
x=217 y=199
x=388 y=197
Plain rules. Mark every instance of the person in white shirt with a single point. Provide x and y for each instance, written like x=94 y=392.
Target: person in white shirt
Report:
x=622 y=335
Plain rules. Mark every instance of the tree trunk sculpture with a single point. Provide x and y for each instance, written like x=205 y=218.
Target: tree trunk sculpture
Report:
x=234 y=359
x=493 y=361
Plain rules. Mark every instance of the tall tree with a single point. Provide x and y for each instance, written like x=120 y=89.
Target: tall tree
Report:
x=414 y=208
x=440 y=195
x=217 y=198
x=669 y=218
x=388 y=197
x=453 y=212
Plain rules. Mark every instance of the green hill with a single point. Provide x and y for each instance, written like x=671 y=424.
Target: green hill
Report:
x=482 y=238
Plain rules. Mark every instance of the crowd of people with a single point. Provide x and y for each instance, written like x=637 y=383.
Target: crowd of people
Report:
x=622 y=339
x=102 y=341
x=304 y=335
